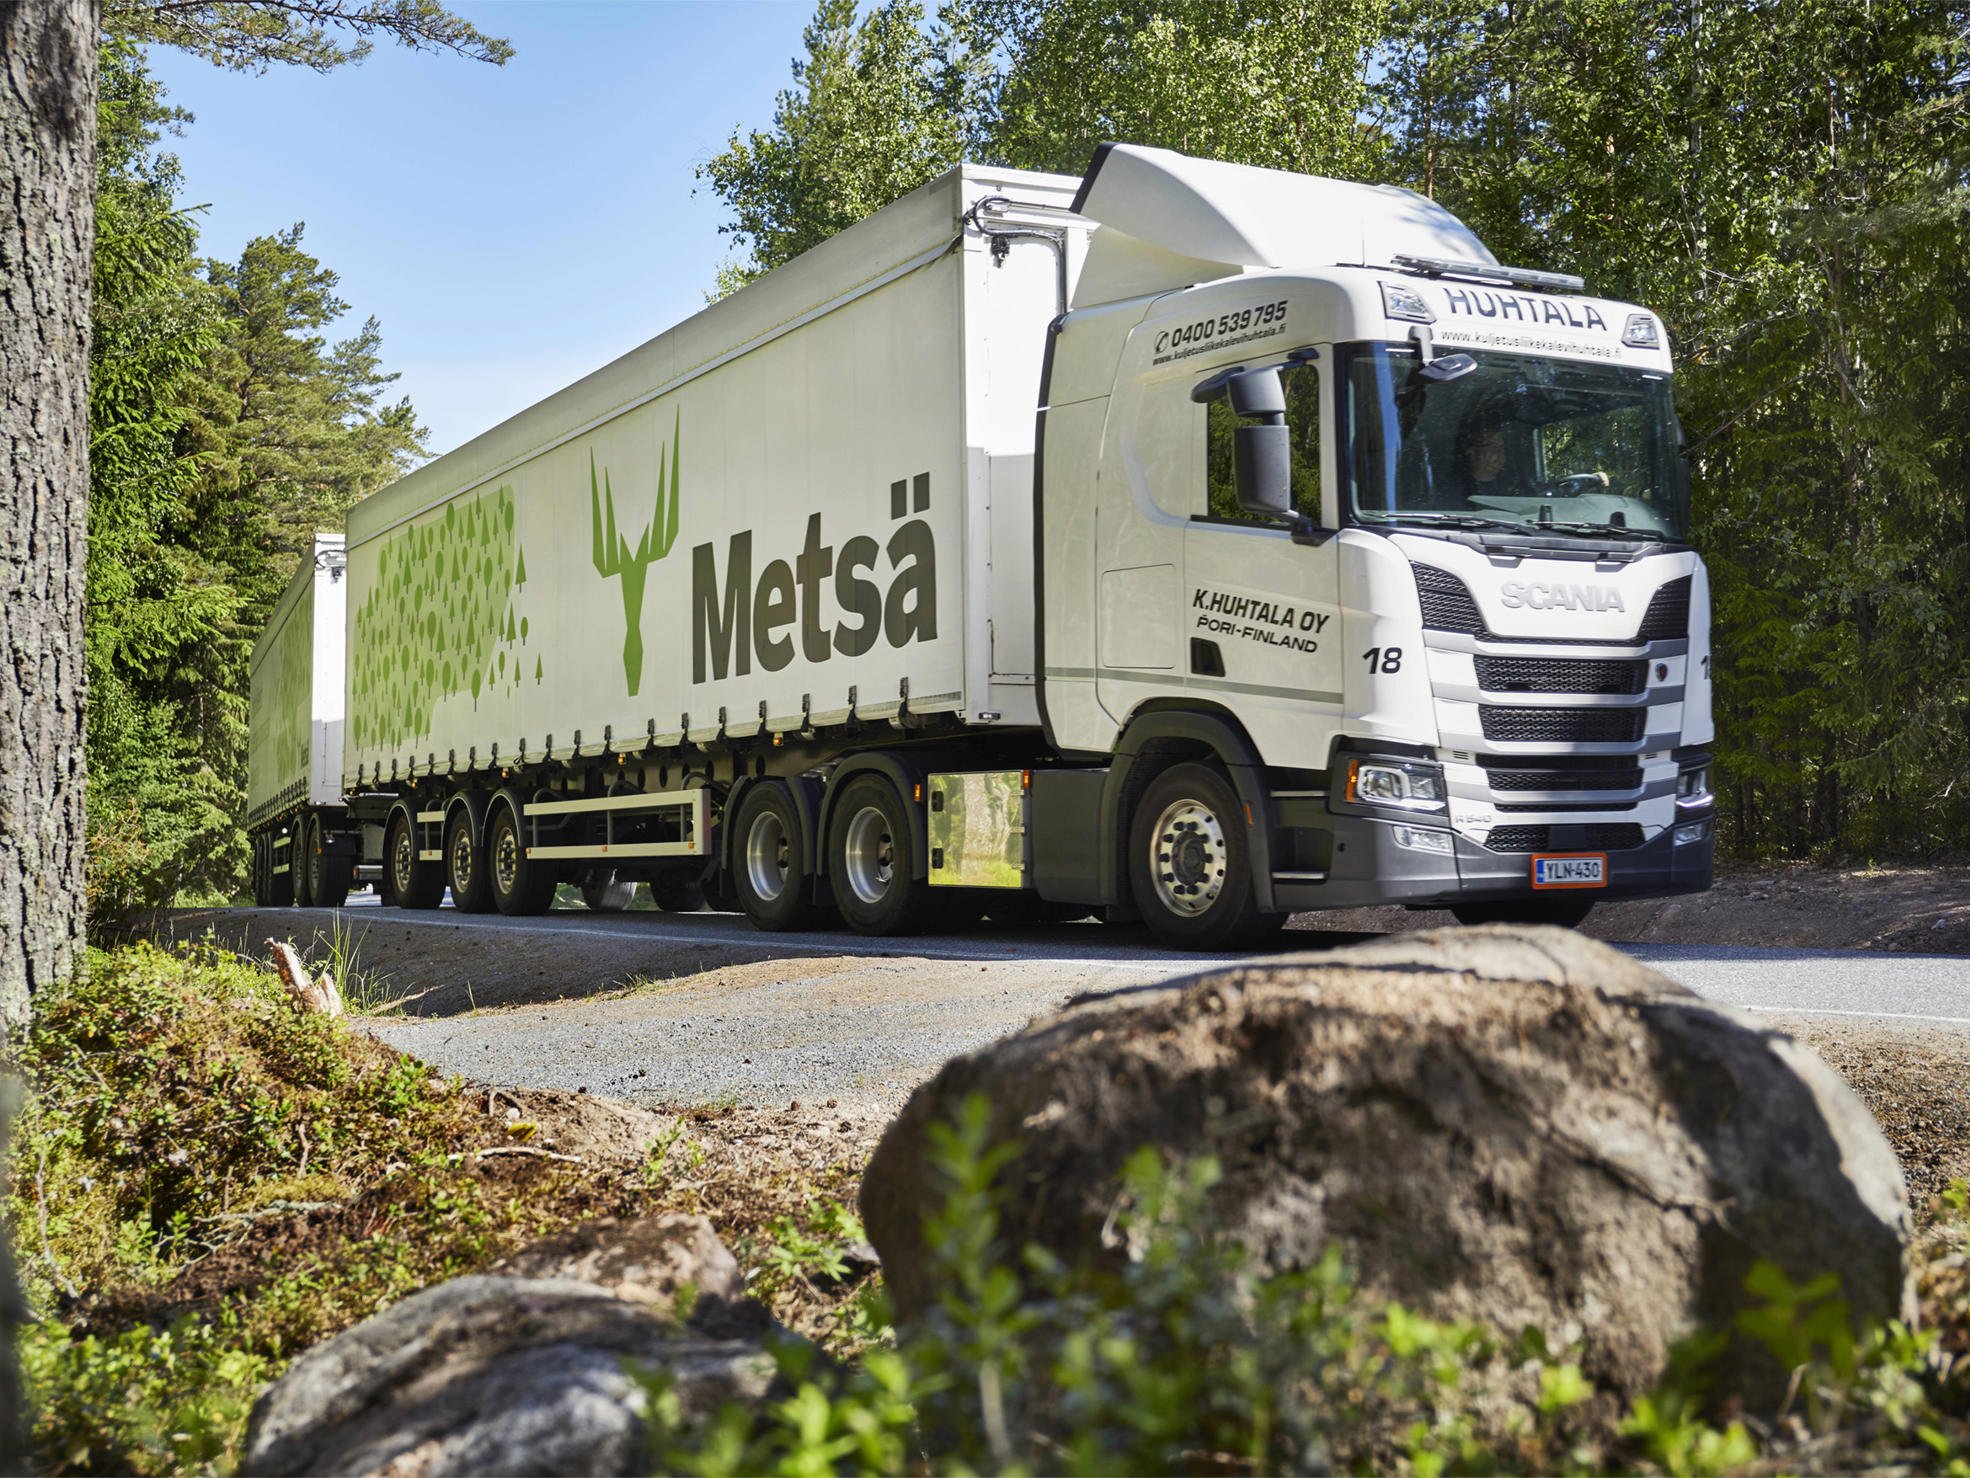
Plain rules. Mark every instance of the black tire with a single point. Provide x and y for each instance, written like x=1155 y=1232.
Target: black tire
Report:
x=410 y=882
x=678 y=892
x=280 y=886
x=769 y=874
x=872 y=861
x=258 y=873
x=1565 y=912
x=604 y=892
x=301 y=862
x=519 y=885
x=465 y=863
x=1190 y=863
x=327 y=874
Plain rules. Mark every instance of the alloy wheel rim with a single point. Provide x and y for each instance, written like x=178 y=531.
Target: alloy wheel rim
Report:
x=767 y=857
x=1188 y=858
x=869 y=855
x=506 y=860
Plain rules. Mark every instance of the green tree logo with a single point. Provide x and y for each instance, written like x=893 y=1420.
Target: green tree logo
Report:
x=613 y=556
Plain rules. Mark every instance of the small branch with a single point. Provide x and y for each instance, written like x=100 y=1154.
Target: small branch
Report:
x=527 y=1149
x=310 y=996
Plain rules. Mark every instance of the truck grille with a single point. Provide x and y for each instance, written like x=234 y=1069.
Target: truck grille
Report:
x=1448 y=605
x=1501 y=779
x=1668 y=615
x=1560 y=675
x=1605 y=836
x=1562 y=725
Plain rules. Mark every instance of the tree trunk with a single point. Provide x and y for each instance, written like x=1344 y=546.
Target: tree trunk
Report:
x=47 y=240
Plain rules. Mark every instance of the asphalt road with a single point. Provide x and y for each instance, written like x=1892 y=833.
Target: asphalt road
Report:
x=682 y=1010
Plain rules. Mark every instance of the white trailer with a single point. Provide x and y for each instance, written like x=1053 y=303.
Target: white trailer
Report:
x=294 y=741
x=1188 y=540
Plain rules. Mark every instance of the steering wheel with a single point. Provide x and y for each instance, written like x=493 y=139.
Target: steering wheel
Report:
x=1574 y=484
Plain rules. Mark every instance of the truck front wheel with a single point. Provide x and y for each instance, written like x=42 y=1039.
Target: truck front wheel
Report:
x=872 y=860
x=768 y=871
x=519 y=884
x=413 y=883
x=1190 y=867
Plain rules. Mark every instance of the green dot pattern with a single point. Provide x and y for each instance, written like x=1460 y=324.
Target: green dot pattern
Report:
x=438 y=622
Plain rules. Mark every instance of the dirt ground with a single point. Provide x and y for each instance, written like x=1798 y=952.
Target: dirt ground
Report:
x=1922 y=910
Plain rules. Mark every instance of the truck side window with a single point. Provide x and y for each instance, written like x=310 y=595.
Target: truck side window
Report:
x=1302 y=383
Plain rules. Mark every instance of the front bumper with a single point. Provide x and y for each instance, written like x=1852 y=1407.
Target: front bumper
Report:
x=1367 y=868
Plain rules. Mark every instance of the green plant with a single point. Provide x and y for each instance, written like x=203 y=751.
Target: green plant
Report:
x=338 y=949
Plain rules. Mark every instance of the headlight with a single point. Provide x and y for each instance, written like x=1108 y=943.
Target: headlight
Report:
x=1403 y=783
x=1691 y=832
x=1693 y=788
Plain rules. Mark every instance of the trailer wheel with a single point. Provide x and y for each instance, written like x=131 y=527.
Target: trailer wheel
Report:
x=280 y=886
x=604 y=892
x=1190 y=867
x=679 y=892
x=1564 y=912
x=872 y=860
x=327 y=875
x=519 y=884
x=768 y=872
x=413 y=883
x=465 y=864
x=262 y=871
x=301 y=861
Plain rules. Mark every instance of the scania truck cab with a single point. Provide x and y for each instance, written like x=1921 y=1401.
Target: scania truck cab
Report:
x=1394 y=537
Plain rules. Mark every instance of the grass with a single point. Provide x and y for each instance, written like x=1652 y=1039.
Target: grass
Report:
x=223 y=1182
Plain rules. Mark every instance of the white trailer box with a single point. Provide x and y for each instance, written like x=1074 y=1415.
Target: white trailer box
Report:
x=810 y=503
x=294 y=739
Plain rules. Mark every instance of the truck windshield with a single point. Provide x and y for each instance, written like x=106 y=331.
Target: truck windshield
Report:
x=1545 y=446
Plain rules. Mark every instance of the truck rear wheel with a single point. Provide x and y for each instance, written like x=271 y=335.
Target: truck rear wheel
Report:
x=1190 y=866
x=519 y=884
x=413 y=883
x=465 y=864
x=769 y=873
x=604 y=892
x=872 y=860
x=1564 y=912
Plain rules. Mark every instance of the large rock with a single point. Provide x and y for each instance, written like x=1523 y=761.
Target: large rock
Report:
x=520 y=1374
x=1515 y=1126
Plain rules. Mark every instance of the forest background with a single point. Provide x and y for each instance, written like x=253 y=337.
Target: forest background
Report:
x=1786 y=181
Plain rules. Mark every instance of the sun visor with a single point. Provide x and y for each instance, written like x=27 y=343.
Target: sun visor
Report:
x=1243 y=216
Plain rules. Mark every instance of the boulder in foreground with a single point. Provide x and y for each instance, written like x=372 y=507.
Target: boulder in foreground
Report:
x=1510 y=1126
x=516 y=1374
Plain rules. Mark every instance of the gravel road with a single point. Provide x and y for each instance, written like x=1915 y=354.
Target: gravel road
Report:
x=686 y=1010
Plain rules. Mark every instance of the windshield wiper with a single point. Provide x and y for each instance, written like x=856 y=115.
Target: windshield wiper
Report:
x=1445 y=520
x=1618 y=530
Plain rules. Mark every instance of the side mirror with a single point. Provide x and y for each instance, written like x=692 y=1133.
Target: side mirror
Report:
x=1257 y=393
x=1264 y=457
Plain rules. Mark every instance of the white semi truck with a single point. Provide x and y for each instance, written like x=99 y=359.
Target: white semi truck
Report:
x=1187 y=541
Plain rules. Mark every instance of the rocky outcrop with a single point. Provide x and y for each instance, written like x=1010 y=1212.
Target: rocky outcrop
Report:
x=533 y=1374
x=1513 y=1126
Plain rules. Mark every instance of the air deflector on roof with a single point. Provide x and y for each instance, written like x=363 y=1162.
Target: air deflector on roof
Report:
x=1244 y=216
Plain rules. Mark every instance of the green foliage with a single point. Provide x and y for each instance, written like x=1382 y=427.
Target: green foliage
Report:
x=224 y=430
x=878 y=107
x=252 y=35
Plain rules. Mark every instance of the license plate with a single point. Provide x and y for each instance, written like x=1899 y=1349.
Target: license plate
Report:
x=1570 y=870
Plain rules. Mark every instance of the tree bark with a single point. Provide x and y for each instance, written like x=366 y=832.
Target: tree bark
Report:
x=47 y=241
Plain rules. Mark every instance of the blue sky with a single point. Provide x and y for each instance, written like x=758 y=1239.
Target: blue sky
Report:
x=512 y=227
